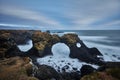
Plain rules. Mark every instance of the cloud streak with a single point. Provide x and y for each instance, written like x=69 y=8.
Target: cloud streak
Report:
x=93 y=12
x=28 y=15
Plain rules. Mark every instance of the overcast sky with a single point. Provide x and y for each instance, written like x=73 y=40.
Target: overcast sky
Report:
x=60 y=14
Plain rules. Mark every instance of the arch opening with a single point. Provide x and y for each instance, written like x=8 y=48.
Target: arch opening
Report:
x=60 y=50
x=78 y=45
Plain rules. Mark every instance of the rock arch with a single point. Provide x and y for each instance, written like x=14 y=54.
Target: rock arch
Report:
x=43 y=42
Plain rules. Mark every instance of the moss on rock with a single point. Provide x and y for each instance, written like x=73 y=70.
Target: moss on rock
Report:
x=14 y=68
x=108 y=74
x=70 y=38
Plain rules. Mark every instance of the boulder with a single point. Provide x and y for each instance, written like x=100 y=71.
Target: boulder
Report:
x=70 y=76
x=8 y=46
x=46 y=73
x=86 y=69
x=16 y=68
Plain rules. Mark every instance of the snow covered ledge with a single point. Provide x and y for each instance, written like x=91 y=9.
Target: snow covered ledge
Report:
x=26 y=47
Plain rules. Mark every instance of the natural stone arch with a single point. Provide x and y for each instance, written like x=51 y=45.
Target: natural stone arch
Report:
x=43 y=43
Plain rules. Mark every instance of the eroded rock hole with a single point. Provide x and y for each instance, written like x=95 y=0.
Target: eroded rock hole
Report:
x=78 y=45
x=60 y=50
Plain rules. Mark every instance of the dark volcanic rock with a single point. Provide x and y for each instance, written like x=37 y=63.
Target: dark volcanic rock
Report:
x=70 y=76
x=43 y=41
x=8 y=46
x=86 y=69
x=83 y=53
x=19 y=36
x=47 y=73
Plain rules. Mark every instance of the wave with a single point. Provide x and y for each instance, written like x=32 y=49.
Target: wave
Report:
x=110 y=53
x=62 y=33
x=96 y=39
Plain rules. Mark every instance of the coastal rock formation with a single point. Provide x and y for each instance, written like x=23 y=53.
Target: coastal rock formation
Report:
x=43 y=42
x=83 y=52
x=45 y=72
x=19 y=68
x=16 y=68
x=8 y=46
x=19 y=36
x=9 y=39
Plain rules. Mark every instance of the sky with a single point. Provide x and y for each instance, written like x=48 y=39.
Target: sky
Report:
x=60 y=14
